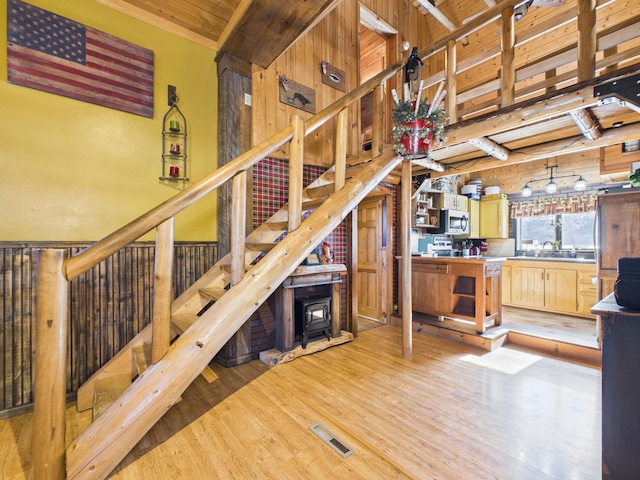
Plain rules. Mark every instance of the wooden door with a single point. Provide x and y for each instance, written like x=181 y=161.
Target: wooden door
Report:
x=374 y=259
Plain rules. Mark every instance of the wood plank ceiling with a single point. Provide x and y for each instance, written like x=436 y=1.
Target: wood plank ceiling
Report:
x=231 y=26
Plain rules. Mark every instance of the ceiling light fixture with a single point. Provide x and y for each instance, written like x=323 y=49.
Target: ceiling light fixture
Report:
x=552 y=187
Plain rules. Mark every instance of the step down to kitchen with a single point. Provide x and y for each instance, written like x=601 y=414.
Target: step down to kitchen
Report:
x=492 y=339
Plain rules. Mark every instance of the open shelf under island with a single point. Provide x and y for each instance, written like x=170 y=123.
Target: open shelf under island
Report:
x=462 y=288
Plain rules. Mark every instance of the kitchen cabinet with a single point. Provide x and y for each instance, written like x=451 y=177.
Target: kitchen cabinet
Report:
x=457 y=288
x=494 y=217
x=426 y=210
x=474 y=219
x=527 y=288
x=430 y=286
x=562 y=287
x=453 y=201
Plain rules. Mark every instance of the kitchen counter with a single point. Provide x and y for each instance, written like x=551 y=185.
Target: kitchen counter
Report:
x=475 y=259
x=460 y=288
x=554 y=259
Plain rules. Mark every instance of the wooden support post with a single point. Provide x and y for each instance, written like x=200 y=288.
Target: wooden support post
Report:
x=162 y=298
x=352 y=242
x=342 y=123
x=238 y=226
x=335 y=309
x=587 y=42
x=405 y=248
x=451 y=66
x=377 y=129
x=508 y=76
x=296 y=163
x=49 y=441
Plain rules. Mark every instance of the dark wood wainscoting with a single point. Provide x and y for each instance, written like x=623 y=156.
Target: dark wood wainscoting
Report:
x=109 y=305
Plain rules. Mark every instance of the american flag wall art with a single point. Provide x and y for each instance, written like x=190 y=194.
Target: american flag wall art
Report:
x=54 y=54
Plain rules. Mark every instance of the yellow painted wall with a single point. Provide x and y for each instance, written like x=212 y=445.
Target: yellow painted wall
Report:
x=70 y=170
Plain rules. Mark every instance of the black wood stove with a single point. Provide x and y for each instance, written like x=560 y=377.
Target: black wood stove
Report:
x=313 y=318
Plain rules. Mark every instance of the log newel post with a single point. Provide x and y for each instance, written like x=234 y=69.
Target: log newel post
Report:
x=405 y=269
x=341 y=148
x=377 y=128
x=238 y=226
x=163 y=290
x=50 y=367
x=451 y=65
x=296 y=164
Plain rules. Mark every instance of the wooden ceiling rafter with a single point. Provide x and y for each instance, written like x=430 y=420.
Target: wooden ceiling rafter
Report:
x=490 y=148
x=532 y=153
x=586 y=123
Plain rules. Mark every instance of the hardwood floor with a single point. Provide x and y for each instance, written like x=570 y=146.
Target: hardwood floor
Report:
x=450 y=412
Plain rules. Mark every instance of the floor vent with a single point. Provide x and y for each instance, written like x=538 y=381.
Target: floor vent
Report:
x=328 y=437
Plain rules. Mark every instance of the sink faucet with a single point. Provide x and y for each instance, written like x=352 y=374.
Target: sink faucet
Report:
x=545 y=243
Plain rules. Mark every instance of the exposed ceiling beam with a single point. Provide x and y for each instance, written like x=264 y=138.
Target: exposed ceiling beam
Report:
x=490 y=148
x=437 y=14
x=532 y=153
x=585 y=122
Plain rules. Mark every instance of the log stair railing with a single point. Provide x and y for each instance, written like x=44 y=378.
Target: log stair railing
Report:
x=208 y=313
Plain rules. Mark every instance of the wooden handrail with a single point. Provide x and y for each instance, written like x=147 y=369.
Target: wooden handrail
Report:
x=122 y=237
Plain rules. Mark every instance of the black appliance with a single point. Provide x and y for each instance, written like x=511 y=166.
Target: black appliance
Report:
x=313 y=318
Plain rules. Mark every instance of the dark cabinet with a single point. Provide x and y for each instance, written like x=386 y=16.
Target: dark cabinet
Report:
x=620 y=390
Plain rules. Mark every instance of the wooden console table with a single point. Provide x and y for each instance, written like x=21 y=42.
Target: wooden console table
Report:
x=620 y=389
x=306 y=276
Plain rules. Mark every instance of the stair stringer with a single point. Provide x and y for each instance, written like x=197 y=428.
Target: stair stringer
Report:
x=105 y=443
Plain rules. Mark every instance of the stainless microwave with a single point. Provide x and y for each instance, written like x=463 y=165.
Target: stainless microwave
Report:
x=454 y=222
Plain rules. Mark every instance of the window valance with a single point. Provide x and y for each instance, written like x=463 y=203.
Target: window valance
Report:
x=554 y=205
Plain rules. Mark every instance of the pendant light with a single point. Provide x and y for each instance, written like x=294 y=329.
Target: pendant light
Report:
x=552 y=187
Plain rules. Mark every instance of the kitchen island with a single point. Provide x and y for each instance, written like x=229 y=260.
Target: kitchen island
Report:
x=461 y=288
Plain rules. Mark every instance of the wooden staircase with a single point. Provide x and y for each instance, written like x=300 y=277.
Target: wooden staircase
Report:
x=104 y=386
x=205 y=326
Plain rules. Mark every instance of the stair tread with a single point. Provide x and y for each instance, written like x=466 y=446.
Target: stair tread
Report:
x=183 y=321
x=260 y=247
x=212 y=293
x=107 y=390
x=142 y=357
x=277 y=226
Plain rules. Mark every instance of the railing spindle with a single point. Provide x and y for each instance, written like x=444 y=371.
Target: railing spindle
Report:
x=238 y=226
x=377 y=128
x=342 y=122
x=163 y=294
x=296 y=162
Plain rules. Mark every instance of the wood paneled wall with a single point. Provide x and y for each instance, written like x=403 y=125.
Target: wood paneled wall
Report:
x=334 y=40
x=109 y=305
